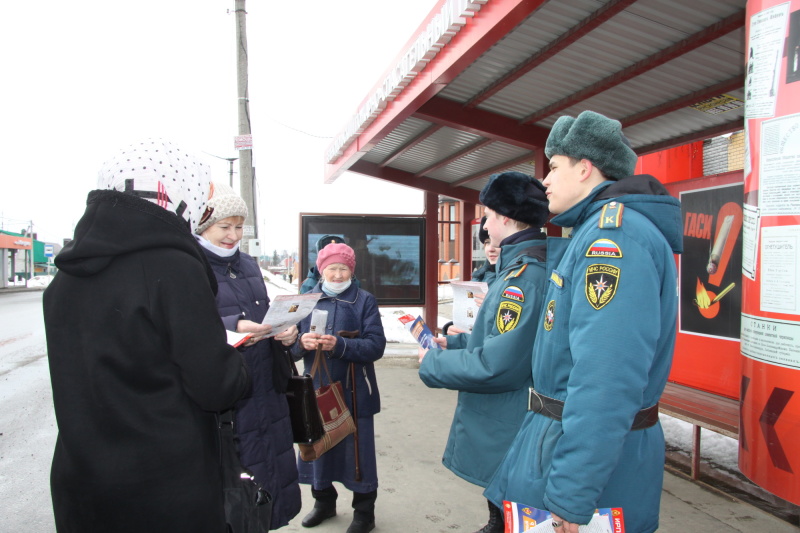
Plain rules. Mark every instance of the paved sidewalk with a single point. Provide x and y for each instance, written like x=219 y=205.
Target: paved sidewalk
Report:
x=417 y=494
x=12 y=289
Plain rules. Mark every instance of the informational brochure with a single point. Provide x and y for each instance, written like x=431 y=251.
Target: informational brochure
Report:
x=464 y=307
x=419 y=330
x=288 y=309
x=236 y=339
x=520 y=518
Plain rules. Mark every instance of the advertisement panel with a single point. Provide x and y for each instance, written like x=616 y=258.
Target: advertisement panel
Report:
x=389 y=251
x=707 y=354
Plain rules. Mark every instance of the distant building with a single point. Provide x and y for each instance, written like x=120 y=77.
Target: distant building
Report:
x=16 y=252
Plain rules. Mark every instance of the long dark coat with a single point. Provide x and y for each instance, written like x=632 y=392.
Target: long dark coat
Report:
x=354 y=309
x=262 y=416
x=138 y=362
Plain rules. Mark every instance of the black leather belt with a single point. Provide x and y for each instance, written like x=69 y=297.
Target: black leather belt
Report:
x=552 y=408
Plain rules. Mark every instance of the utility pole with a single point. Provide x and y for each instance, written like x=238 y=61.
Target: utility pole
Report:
x=230 y=161
x=245 y=155
x=230 y=171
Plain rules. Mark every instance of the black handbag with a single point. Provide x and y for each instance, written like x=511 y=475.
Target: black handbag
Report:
x=303 y=410
x=248 y=506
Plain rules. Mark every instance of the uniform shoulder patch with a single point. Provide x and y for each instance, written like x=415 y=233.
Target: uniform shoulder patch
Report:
x=514 y=293
x=604 y=248
x=601 y=284
x=550 y=315
x=556 y=278
x=516 y=273
x=611 y=215
x=507 y=316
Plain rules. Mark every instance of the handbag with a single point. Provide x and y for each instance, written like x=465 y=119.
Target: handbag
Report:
x=248 y=506
x=336 y=419
x=303 y=410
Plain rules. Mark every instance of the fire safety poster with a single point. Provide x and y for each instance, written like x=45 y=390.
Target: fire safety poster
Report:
x=711 y=263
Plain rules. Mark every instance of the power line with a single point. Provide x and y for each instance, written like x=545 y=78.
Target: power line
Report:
x=298 y=130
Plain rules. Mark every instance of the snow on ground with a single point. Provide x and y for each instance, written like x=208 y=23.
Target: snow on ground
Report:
x=716 y=448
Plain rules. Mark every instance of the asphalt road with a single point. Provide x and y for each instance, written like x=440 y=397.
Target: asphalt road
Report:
x=27 y=423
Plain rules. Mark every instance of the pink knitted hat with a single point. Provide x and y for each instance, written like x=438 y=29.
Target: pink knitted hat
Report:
x=336 y=252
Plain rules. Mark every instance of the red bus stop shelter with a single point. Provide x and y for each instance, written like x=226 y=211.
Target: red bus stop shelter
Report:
x=476 y=89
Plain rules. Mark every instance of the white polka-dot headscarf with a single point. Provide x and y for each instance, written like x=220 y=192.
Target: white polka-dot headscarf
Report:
x=163 y=173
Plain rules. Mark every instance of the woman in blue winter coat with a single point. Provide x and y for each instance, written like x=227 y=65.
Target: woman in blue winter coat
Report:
x=262 y=419
x=354 y=310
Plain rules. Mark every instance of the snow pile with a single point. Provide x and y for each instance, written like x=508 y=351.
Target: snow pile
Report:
x=40 y=281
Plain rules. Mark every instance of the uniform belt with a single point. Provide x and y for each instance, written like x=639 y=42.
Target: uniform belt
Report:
x=552 y=408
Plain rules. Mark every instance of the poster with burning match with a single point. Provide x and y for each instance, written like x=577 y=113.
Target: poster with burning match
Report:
x=711 y=263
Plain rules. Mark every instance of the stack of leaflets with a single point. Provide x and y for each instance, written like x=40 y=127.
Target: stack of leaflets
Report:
x=419 y=330
x=519 y=518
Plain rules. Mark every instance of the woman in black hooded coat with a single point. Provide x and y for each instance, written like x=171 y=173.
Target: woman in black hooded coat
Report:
x=138 y=357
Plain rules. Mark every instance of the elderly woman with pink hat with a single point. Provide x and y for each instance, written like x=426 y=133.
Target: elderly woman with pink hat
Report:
x=354 y=310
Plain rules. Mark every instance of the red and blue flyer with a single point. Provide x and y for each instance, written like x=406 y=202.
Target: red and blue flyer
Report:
x=521 y=518
x=420 y=330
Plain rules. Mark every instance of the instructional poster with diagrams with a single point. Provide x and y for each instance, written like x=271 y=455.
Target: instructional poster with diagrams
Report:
x=780 y=269
x=764 y=55
x=779 y=162
x=751 y=227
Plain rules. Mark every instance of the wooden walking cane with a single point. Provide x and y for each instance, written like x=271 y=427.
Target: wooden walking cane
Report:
x=354 y=398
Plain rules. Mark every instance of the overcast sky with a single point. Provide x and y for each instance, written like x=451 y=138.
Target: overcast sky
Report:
x=83 y=79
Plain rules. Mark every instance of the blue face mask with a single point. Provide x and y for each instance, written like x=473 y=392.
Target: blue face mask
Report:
x=335 y=288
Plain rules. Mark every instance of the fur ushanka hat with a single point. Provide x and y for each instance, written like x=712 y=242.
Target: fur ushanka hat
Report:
x=594 y=137
x=483 y=235
x=517 y=196
x=325 y=240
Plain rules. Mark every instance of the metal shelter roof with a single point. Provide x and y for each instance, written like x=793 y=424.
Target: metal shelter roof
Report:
x=479 y=85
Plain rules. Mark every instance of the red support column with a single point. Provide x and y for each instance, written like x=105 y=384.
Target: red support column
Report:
x=430 y=313
x=467 y=210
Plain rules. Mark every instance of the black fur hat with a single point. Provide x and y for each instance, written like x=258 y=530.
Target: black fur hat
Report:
x=482 y=233
x=328 y=239
x=517 y=196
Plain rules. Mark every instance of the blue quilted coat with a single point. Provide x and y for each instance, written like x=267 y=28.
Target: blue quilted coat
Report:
x=262 y=416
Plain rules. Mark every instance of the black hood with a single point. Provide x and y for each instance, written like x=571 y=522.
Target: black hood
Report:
x=116 y=224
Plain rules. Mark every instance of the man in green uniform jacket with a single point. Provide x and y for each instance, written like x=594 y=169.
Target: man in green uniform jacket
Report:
x=490 y=367
x=604 y=345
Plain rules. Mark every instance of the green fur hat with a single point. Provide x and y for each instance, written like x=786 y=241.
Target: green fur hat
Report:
x=594 y=137
x=518 y=196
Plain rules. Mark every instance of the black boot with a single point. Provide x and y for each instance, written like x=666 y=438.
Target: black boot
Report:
x=363 y=512
x=495 y=524
x=324 y=506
